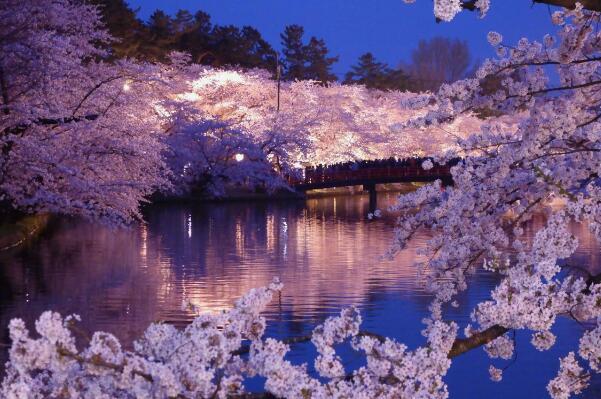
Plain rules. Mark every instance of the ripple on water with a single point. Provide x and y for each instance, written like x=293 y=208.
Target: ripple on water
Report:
x=325 y=251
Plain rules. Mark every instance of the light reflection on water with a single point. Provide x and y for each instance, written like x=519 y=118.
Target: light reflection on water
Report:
x=325 y=251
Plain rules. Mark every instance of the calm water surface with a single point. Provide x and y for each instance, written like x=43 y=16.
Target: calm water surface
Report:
x=324 y=250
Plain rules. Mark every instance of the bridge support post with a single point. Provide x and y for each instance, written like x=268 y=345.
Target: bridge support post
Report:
x=373 y=196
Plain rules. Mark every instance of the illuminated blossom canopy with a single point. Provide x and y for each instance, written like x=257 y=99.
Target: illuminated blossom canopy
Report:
x=507 y=171
x=84 y=136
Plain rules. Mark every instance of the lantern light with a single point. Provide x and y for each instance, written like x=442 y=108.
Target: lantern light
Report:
x=239 y=157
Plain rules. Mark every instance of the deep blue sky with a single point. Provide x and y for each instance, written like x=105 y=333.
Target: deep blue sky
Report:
x=390 y=29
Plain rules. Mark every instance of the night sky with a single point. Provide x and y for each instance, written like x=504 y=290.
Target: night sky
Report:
x=390 y=29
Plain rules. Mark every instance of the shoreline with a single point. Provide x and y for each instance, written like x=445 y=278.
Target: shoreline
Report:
x=17 y=233
x=243 y=195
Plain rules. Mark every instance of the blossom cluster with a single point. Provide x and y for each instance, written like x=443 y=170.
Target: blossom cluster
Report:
x=85 y=135
x=103 y=145
x=507 y=174
x=206 y=359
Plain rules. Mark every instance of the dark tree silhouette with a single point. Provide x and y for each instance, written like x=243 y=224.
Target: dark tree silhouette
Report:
x=123 y=24
x=376 y=75
x=319 y=65
x=196 y=39
x=593 y=5
x=305 y=61
x=244 y=47
x=161 y=36
x=293 y=50
x=195 y=34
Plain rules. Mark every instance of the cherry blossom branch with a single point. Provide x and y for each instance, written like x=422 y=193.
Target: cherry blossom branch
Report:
x=554 y=89
x=306 y=338
x=593 y=5
x=463 y=345
x=4 y=91
x=99 y=362
x=20 y=128
x=460 y=345
x=92 y=90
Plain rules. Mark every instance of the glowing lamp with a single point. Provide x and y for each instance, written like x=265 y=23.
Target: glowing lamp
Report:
x=239 y=157
x=126 y=86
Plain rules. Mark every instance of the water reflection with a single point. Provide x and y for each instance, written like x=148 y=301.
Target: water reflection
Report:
x=324 y=250
x=326 y=253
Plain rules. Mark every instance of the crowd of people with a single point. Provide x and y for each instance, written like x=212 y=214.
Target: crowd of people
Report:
x=320 y=172
x=365 y=164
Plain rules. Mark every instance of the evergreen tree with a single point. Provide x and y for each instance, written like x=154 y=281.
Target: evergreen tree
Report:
x=308 y=61
x=294 y=52
x=224 y=39
x=197 y=39
x=212 y=44
x=183 y=22
x=122 y=23
x=161 y=36
x=258 y=53
x=318 y=63
x=398 y=80
x=377 y=75
x=241 y=47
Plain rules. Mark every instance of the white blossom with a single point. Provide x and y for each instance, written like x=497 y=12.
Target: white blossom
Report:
x=495 y=374
x=570 y=379
x=494 y=38
x=446 y=9
x=543 y=340
x=427 y=164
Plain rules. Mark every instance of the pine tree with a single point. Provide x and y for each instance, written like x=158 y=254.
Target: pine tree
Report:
x=377 y=75
x=318 y=63
x=161 y=35
x=196 y=40
x=294 y=52
x=122 y=23
x=183 y=22
x=258 y=53
x=308 y=61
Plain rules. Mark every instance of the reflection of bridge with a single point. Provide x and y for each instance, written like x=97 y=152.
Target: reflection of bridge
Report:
x=369 y=174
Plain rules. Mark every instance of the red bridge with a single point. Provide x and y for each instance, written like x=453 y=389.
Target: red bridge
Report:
x=370 y=173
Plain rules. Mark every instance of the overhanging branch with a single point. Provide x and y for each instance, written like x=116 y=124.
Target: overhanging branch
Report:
x=462 y=345
x=593 y=5
x=20 y=128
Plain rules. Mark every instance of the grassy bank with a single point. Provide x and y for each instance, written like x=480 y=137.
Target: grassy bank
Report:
x=17 y=232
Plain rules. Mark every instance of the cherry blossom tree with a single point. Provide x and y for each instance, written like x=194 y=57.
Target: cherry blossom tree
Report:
x=84 y=136
x=77 y=135
x=507 y=171
x=213 y=355
x=209 y=156
x=552 y=155
x=215 y=114
x=321 y=124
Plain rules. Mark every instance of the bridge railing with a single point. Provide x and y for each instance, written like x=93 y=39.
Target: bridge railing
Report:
x=326 y=174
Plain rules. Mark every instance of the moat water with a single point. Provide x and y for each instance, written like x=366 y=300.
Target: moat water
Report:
x=326 y=252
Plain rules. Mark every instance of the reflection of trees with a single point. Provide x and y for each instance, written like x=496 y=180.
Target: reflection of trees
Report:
x=81 y=268
x=325 y=251
x=586 y=255
x=119 y=280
